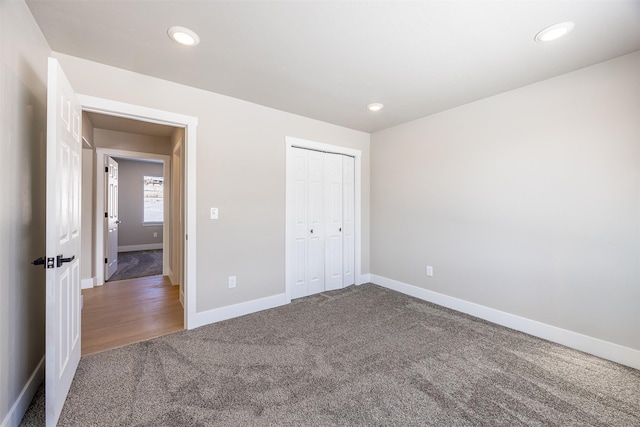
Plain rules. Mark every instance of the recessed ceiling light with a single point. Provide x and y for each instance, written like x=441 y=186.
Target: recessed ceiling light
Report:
x=554 y=32
x=183 y=36
x=376 y=106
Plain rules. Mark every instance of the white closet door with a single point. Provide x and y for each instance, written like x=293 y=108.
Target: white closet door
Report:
x=323 y=222
x=300 y=223
x=333 y=221
x=348 y=221
x=315 y=206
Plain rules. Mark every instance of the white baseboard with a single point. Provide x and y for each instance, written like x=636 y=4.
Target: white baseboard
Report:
x=236 y=310
x=364 y=278
x=172 y=277
x=147 y=247
x=597 y=347
x=88 y=283
x=23 y=401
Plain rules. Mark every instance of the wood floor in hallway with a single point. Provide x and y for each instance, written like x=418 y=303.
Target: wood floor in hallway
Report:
x=129 y=311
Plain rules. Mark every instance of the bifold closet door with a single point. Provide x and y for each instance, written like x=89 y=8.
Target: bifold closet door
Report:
x=323 y=228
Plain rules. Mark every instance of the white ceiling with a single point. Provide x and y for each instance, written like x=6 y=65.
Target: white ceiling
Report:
x=328 y=59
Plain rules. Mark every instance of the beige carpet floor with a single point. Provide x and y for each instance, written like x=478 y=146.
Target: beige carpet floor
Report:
x=361 y=356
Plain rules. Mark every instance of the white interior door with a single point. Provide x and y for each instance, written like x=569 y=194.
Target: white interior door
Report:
x=348 y=221
x=333 y=221
x=112 y=220
x=63 y=240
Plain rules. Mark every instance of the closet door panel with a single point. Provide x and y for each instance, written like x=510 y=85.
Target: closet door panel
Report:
x=300 y=223
x=316 y=228
x=333 y=221
x=348 y=220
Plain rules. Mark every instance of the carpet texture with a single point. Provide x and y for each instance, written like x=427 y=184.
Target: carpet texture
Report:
x=138 y=264
x=354 y=357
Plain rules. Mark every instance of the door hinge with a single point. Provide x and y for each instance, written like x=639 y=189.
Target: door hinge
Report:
x=106 y=215
x=105 y=261
x=106 y=169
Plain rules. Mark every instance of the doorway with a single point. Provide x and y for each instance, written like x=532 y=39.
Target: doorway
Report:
x=187 y=235
x=134 y=237
x=161 y=167
x=131 y=217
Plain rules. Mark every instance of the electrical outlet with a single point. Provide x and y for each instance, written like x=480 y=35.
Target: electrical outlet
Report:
x=429 y=271
x=213 y=213
x=155 y=234
x=232 y=281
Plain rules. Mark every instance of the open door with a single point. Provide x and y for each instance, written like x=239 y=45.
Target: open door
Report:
x=64 y=150
x=111 y=217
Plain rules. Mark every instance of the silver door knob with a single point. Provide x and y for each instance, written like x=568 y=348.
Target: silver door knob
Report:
x=118 y=221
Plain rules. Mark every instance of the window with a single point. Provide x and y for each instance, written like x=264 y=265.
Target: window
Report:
x=153 y=199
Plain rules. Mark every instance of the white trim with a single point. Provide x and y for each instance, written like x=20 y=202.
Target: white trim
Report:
x=20 y=406
x=364 y=278
x=146 y=247
x=88 y=283
x=291 y=142
x=169 y=274
x=237 y=310
x=597 y=347
x=189 y=123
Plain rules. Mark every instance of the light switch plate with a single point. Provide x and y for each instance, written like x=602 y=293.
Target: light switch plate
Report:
x=214 y=213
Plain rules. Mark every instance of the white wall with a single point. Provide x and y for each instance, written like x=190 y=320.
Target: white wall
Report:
x=23 y=77
x=132 y=232
x=240 y=170
x=527 y=202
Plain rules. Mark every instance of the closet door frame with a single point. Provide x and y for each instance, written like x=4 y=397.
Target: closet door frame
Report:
x=292 y=143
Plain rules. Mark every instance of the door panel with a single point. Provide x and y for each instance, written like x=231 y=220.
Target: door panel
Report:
x=315 y=206
x=63 y=240
x=333 y=221
x=348 y=220
x=300 y=223
x=112 y=217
